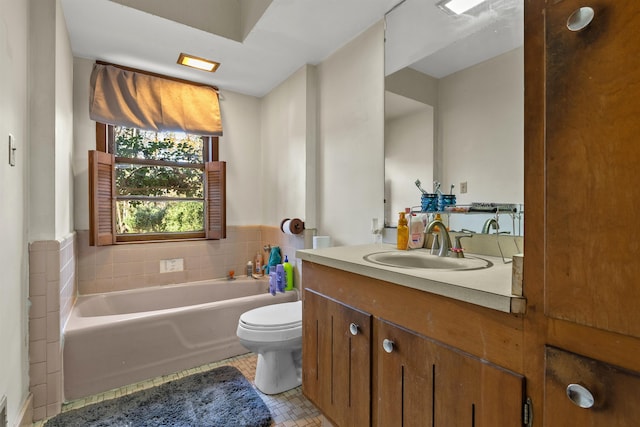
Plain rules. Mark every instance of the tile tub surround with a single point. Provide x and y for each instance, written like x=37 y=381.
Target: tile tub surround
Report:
x=119 y=267
x=52 y=291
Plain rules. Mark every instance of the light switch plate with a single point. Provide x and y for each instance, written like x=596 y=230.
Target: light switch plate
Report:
x=12 y=150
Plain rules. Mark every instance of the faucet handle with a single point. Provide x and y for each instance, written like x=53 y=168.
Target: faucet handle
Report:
x=457 y=247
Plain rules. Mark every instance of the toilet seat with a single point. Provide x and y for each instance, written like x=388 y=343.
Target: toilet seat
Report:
x=272 y=323
x=275 y=316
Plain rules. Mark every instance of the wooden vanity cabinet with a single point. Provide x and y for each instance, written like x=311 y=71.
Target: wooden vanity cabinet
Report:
x=411 y=379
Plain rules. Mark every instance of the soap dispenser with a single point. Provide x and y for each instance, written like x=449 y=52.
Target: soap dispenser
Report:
x=403 y=232
x=416 y=231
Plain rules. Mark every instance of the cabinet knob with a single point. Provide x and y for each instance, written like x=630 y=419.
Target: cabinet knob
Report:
x=354 y=329
x=580 y=396
x=387 y=345
x=580 y=19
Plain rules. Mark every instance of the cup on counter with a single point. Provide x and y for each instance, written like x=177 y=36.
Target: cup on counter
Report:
x=445 y=200
x=429 y=202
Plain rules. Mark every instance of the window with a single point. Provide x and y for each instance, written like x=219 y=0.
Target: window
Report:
x=150 y=185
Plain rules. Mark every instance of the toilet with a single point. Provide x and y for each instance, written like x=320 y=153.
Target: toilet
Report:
x=274 y=333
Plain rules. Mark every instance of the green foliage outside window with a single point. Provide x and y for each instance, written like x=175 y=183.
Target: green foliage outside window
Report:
x=162 y=197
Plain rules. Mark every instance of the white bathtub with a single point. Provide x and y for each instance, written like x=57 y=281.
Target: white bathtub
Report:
x=120 y=338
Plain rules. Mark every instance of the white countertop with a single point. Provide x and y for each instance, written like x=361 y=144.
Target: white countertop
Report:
x=489 y=287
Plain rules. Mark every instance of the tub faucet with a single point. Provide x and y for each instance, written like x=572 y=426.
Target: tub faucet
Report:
x=488 y=224
x=445 y=240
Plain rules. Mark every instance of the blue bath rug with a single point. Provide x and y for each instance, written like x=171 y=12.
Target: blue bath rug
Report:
x=221 y=397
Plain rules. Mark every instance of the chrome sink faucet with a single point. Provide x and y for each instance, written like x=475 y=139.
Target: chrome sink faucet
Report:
x=445 y=240
x=488 y=224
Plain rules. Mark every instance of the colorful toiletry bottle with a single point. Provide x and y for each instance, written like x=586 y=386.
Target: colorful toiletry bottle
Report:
x=280 y=278
x=249 y=268
x=402 y=240
x=416 y=231
x=288 y=274
x=258 y=264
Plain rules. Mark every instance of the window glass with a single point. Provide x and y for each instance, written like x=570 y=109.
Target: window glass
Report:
x=159 y=181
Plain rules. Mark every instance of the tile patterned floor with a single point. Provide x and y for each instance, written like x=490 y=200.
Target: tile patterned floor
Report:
x=289 y=409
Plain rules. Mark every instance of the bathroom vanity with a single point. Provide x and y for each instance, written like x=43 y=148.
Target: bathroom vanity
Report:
x=387 y=346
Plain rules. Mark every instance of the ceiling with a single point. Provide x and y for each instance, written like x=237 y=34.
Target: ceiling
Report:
x=260 y=43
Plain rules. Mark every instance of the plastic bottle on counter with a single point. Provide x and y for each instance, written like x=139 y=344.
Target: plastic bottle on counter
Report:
x=403 y=232
x=416 y=230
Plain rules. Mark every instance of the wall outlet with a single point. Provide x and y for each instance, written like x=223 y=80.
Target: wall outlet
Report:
x=463 y=187
x=171 y=265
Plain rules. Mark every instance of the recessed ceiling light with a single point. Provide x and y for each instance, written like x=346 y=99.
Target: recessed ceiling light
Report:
x=459 y=6
x=199 y=63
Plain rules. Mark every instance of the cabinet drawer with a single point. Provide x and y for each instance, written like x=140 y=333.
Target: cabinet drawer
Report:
x=615 y=392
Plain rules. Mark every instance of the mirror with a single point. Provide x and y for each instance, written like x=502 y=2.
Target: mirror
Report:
x=454 y=107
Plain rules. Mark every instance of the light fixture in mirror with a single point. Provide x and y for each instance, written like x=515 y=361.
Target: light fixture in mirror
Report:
x=470 y=71
x=458 y=7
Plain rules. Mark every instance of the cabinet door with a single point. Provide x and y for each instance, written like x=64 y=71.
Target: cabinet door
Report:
x=615 y=392
x=592 y=157
x=336 y=359
x=405 y=377
x=474 y=393
x=424 y=383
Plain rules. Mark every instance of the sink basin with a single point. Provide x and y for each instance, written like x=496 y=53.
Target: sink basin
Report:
x=423 y=259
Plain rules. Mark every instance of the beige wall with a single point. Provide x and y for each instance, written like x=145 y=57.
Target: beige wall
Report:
x=14 y=380
x=63 y=172
x=351 y=139
x=408 y=145
x=285 y=139
x=481 y=124
x=50 y=87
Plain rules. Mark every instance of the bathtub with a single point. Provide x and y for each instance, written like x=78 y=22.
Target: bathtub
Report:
x=123 y=337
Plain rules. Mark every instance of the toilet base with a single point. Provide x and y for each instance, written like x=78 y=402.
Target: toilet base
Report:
x=278 y=371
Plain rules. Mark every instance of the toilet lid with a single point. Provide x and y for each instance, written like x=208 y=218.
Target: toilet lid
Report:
x=283 y=315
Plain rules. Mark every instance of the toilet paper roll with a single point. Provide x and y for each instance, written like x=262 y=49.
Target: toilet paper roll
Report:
x=292 y=226
x=321 y=242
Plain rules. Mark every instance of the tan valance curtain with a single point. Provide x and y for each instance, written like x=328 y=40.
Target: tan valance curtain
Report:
x=128 y=98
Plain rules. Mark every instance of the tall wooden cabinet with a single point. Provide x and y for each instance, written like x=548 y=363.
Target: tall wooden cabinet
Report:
x=582 y=245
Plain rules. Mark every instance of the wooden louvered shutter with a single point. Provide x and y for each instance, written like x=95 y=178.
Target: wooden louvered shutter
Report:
x=215 y=178
x=101 y=199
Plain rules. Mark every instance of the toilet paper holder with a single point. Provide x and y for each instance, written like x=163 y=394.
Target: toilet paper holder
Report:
x=292 y=226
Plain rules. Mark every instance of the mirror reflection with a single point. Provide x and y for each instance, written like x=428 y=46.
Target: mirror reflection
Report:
x=454 y=108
